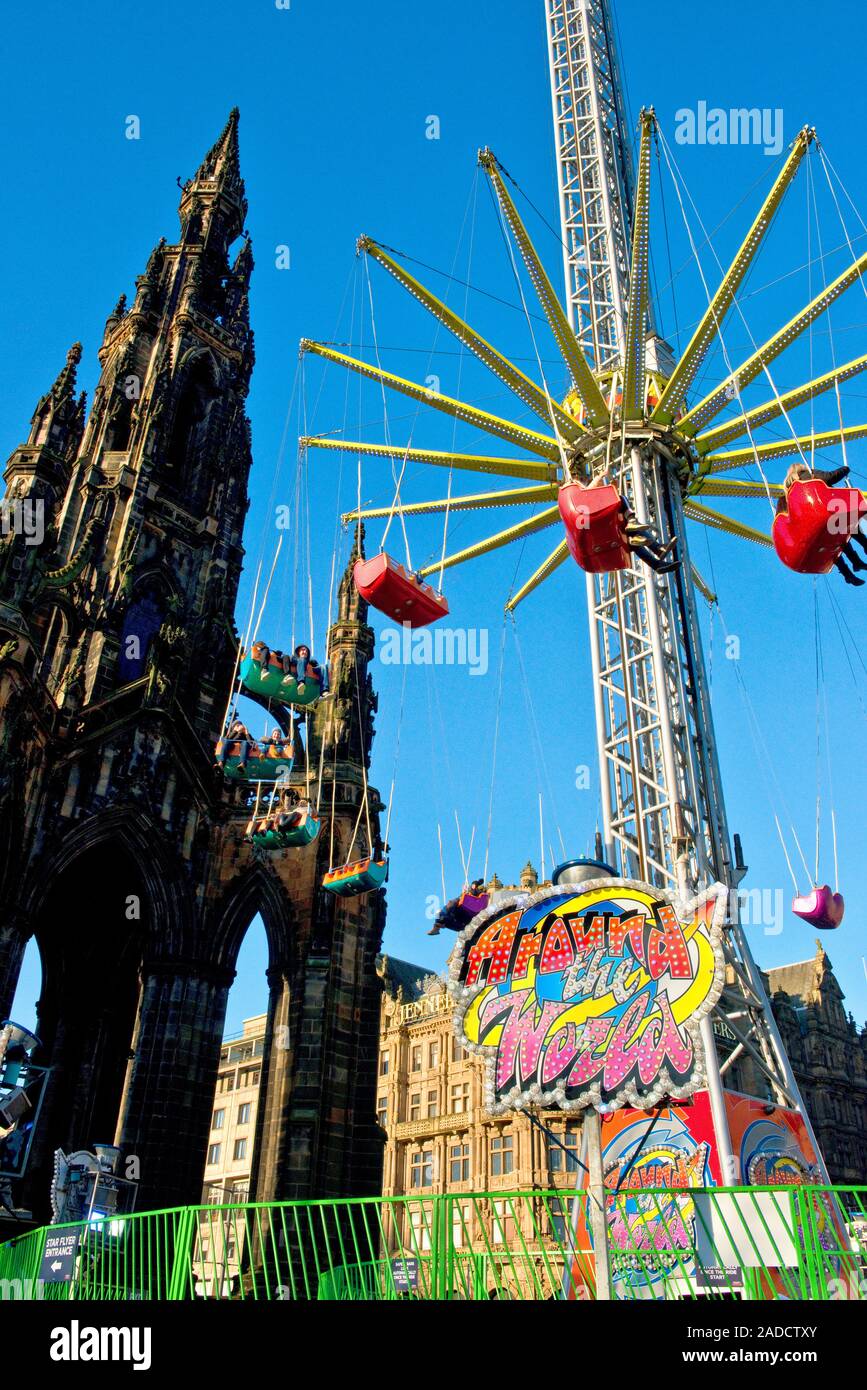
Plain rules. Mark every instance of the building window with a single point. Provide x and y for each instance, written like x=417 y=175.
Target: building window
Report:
x=217 y=1119
x=557 y=1159
x=415 y=1106
x=421 y=1169
x=461 y=1098
x=383 y=1064
x=459 y=1052
x=459 y=1163
x=382 y=1111
x=460 y=1226
x=227 y=1082
x=559 y=1212
x=416 y=1059
x=214 y=1153
x=434 y=1055
x=249 y=1077
x=432 y=1105
x=498 y=1232
x=421 y=1224
x=230 y=1249
x=240 y=1149
x=502 y=1157
x=244 y=1113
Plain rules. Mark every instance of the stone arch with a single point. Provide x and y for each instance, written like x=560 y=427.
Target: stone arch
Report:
x=55 y=621
x=152 y=597
x=257 y=890
x=109 y=903
x=260 y=890
x=196 y=390
x=133 y=831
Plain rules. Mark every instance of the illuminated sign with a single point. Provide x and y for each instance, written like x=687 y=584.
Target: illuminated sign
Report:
x=590 y=995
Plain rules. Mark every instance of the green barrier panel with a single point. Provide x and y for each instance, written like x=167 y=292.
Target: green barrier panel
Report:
x=756 y=1243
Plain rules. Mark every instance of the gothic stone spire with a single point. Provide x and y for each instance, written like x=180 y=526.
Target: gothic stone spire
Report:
x=213 y=201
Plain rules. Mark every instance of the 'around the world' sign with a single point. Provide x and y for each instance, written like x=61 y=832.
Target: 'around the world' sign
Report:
x=590 y=994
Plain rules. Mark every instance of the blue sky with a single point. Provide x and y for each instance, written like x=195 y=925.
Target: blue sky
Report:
x=335 y=100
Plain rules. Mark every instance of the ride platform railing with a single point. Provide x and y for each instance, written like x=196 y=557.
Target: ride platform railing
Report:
x=755 y=1243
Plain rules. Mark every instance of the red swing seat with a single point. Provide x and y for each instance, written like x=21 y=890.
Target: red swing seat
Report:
x=822 y=908
x=387 y=586
x=595 y=527
x=812 y=534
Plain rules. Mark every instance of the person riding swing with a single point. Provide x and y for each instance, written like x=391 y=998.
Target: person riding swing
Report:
x=803 y=473
x=236 y=733
x=302 y=663
x=640 y=538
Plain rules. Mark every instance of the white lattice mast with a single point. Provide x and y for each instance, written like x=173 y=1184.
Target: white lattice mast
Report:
x=594 y=173
x=662 y=803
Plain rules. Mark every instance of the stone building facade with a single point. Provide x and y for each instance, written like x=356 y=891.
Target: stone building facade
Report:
x=219 y=1253
x=829 y=1056
x=441 y=1139
x=122 y=849
x=229 y=1159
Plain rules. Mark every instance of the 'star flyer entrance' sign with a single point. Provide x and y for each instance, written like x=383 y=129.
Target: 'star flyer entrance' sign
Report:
x=590 y=994
x=58 y=1257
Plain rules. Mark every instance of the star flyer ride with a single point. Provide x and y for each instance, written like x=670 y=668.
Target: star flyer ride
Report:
x=634 y=992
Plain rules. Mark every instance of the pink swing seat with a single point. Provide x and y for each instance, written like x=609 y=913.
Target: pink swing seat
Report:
x=822 y=908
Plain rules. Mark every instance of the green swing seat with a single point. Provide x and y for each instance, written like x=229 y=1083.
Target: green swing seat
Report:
x=284 y=830
x=276 y=685
x=265 y=762
x=362 y=876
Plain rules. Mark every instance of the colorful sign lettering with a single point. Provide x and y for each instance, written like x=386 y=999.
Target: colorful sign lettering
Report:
x=591 y=995
x=653 y=1236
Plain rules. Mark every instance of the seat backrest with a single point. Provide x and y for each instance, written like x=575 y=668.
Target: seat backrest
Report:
x=595 y=535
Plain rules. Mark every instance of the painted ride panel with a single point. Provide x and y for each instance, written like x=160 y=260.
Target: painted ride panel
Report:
x=822 y=908
x=387 y=586
x=595 y=527
x=361 y=876
x=812 y=534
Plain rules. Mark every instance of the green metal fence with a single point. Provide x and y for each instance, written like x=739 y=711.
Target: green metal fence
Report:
x=749 y=1242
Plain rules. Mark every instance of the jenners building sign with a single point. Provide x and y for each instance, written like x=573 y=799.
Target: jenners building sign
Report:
x=427 y=1007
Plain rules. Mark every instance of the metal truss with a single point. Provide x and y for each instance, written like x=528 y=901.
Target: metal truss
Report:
x=594 y=172
x=662 y=801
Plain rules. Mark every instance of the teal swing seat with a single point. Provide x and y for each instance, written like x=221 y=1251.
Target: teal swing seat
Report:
x=284 y=830
x=273 y=682
x=265 y=762
x=362 y=876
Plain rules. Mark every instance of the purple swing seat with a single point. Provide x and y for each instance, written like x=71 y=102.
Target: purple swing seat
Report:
x=467 y=907
x=822 y=908
x=457 y=914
